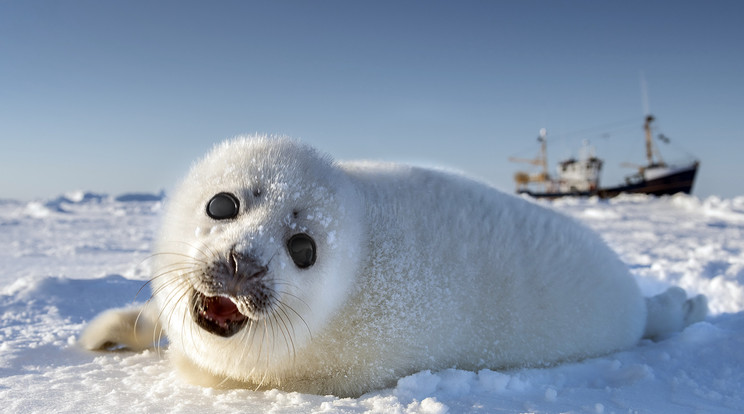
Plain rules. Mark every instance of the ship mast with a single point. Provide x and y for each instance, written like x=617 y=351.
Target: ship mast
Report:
x=541 y=161
x=650 y=144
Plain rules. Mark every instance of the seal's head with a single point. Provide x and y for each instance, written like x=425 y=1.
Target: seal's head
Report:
x=258 y=247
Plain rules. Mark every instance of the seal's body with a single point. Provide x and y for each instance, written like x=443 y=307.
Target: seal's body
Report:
x=277 y=267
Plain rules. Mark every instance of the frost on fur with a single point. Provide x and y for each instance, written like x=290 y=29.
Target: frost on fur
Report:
x=129 y=328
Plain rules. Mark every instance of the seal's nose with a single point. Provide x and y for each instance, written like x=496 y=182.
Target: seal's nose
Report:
x=244 y=266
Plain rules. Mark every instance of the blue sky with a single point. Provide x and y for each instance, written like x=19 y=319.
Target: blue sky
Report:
x=123 y=96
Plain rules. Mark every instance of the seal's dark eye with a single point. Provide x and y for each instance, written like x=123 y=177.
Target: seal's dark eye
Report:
x=302 y=250
x=223 y=206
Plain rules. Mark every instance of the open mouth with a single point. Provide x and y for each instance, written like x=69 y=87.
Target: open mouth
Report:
x=217 y=314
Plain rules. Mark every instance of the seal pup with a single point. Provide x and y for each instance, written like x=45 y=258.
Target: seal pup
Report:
x=278 y=267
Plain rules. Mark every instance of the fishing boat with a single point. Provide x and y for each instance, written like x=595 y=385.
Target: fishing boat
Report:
x=580 y=176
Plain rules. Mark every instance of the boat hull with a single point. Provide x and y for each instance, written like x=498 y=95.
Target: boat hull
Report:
x=680 y=181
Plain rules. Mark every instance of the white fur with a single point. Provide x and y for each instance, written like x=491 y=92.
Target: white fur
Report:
x=417 y=269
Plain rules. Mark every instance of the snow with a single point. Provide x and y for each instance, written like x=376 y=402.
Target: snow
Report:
x=66 y=259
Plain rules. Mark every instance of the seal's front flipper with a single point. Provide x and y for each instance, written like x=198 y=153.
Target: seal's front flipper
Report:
x=671 y=312
x=135 y=329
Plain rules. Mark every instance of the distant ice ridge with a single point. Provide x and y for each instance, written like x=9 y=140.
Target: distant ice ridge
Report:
x=82 y=197
x=78 y=197
x=132 y=197
x=66 y=203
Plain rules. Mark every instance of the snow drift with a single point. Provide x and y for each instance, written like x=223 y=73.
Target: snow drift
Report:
x=64 y=260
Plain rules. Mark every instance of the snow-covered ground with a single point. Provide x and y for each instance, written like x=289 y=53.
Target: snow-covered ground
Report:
x=64 y=260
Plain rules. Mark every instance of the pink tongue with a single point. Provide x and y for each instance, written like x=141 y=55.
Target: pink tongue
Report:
x=222 y=310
